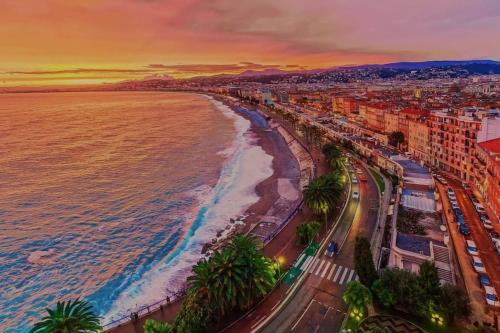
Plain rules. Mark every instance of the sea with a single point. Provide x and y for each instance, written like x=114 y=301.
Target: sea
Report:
x=110 y=196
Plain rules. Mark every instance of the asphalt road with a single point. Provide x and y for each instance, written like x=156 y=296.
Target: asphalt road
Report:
x=488 y=255
x=318 y=305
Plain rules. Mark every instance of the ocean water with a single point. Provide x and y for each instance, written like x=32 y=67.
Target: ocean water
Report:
x=111 y=196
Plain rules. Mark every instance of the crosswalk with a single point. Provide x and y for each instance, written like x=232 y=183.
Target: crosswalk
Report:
x=327 y=269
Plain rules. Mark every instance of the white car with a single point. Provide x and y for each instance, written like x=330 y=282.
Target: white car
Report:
x=354 y=180
x=477 y=263
x=487 y=224
x=491 y=296
x=355 y=195
x=472 y=248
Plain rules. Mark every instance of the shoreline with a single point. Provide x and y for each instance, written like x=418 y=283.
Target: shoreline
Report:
x=284 y=166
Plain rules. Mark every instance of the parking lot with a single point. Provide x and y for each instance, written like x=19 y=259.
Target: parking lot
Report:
x=477 y=256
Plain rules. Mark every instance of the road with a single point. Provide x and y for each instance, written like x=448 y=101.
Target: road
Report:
x=318 y=305
x=490 y=258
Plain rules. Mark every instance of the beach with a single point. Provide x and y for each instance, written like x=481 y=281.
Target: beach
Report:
x=278 y=195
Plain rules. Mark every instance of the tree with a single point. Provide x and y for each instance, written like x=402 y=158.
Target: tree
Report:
x=307 y=231
x=428 y=279
x=153 y=326
x=333 y=155
x=384 y=295
x=72 y=316
x=194 y=316
x=231 y=279
x=453 y=302
x=363 y=262
x=357 y=295
x=396 y=138
x=408 y=294
x=322 y=192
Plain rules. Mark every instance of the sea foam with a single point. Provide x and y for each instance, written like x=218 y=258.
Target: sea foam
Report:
x=245 y=167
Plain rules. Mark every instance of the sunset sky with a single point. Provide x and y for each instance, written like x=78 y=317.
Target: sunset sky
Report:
x=46 y=42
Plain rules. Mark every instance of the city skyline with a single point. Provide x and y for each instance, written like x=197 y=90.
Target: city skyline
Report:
x=92 y=42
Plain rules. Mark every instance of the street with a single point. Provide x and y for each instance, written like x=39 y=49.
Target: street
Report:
x=318 y=305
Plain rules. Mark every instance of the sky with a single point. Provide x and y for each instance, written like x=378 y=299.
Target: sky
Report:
x=54 y=42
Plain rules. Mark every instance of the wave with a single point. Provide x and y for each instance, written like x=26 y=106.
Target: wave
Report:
x=246 y=166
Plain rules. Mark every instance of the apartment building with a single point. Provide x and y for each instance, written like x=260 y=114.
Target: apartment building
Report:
x=409 y=114
x=454 y=137
x=487 y=171
x=391 y=122
x=344 y=105
x=419 y=145
x=374 y=116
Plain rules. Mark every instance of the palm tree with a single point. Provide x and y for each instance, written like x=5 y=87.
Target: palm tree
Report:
x=69 y=317
x=307 y=231
x=333 y=155
x=321 y=194
x=357 y=295
x=233 y=277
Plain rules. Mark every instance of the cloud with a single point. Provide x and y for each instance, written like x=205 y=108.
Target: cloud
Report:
x=211 y=68
x=83 y=70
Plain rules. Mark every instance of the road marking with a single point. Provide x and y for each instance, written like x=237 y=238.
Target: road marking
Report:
x=258 y=322
x=306 y=262
x=303 y=313
x=331 y=271
x=319 y=267
x=350 y=276
x=314 y=265
x=338 y=272
x=300 y=260
x=275 y=305
x=326 y=269
x=344 y=275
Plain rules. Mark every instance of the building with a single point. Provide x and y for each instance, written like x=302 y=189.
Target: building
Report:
x=419 y=140
x=406 y=115
x=266 y=97
x=454 y=136
x=374 y=117
x=391 y=122
x=487 y=180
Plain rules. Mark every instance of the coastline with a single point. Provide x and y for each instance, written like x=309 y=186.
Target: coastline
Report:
x=277 y=194
x=285 y=167
x=268 y=199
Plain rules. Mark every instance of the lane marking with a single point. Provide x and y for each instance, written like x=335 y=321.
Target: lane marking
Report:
x=303 y=313
x=343 y=276
x=350 y=276
x=306 y=262
x=326 y=269
x=319 y=267
x=258 y=322
x=300 y=259
x=315 y=263
x=331 y=271
x=338 y=272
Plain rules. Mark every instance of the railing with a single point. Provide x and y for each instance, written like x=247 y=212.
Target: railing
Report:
x=145 y=309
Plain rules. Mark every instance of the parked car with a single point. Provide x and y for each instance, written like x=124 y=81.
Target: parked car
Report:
x=477 y=263
x=487 y=224
x=466 y=186
x=491 y=296
x=459 y=219
x=450 y=190
x=354 y=180
x=458 y=212
x=484 y=279
x=471 y=247
x=355 y=195
x=462 y=228
x=455 y=205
